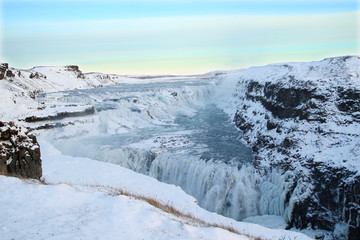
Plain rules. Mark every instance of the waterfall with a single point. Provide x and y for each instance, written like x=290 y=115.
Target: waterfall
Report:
x=171 y=132
x=217 y=186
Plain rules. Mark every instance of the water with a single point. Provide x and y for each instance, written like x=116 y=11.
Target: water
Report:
x=216 y=136
x=173 y=132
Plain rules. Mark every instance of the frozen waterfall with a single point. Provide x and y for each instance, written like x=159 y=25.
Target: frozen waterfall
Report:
x=172 y=132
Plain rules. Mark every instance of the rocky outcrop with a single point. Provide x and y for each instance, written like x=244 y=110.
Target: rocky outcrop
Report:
x=19 y=152
x=304 y=120
x=61 y=115
x=5 y=71
x=37 y=75
x=76 y=70
x=3 y=68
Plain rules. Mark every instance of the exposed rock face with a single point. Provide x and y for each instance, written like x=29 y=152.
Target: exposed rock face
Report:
x=61 y=115
x=304 y=120
x=37 y=75
x=5 y=72
x=76 y=70
x=3 y=68
x=19 y=152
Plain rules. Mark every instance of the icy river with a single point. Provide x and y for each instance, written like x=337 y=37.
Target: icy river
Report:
x=173 y=131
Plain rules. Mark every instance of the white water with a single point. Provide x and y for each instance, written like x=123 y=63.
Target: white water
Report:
x=172 y=132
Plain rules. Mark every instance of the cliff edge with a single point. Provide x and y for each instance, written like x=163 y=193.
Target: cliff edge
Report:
x=303 y=120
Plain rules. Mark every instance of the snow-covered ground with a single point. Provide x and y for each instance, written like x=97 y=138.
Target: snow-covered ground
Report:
x=79 y=199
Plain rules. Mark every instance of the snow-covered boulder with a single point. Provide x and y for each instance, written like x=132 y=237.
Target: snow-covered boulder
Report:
x=19 y=152
x=304 y=120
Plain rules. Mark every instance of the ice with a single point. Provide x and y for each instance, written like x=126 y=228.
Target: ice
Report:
x=176 y=135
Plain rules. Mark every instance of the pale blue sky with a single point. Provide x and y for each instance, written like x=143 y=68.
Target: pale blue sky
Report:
x=143 y=36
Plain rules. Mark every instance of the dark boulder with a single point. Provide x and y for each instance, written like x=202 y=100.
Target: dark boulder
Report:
x=72 y=68
x=3 y=68
x=5 y=71
x=10 y=74
x=37 y=75
x=19 y=152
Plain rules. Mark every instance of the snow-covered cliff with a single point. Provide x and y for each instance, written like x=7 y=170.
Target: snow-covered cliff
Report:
x=304 y=120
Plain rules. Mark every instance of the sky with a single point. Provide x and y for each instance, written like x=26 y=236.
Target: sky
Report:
x=173 y=36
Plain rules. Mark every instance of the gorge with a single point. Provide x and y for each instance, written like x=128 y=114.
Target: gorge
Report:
x=280 y=140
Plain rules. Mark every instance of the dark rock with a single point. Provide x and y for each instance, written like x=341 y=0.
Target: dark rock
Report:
x=73 y=68
x=241 y=123
x=287 y=102
x=62 y=115
x=5 y=71
x=333 y=200
x=37 y=75
x=19 y=152
x=254 y=86
x=287 y=97
x=270 y=125
x=287 y=143
x=33 y=94
x=10 y=74
x=330 y=194
x=3 y=68
x=76 y=70
x=348 y=100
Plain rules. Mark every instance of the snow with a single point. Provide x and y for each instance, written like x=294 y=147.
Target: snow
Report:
x=65 y=212
x=77 y=202
x=337 y=146
x=16 y=92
